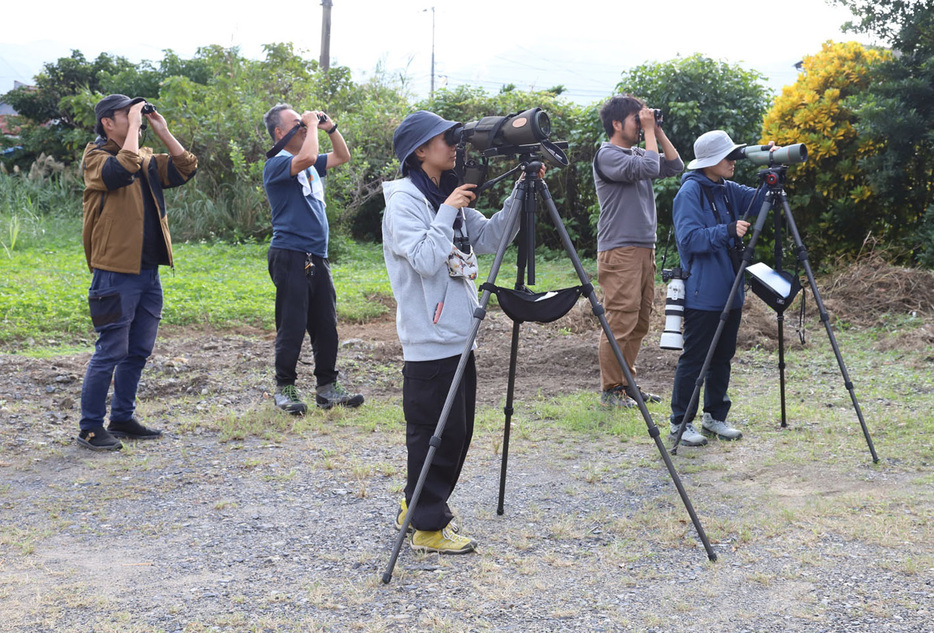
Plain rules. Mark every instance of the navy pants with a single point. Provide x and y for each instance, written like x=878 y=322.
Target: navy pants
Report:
x=305 y=302
x=425 y=388
x=699 y=329
x=125 y=310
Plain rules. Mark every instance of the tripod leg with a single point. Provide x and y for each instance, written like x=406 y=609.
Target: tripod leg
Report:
x=691 y=410
x=599 y=312
x=508 y=411
x=479 y=315
x=825 y=319
x=781 y=361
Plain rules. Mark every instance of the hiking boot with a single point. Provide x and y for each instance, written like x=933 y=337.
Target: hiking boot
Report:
x=132 y=430
x=98 y=439
x=616 y=398
x=648 y=397
x=334 y=394
x=288 y=400
x=719 y=428
x=443 y=541
x=690 y=437
x=403 y=508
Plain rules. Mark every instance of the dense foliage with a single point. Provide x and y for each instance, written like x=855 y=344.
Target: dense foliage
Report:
x=867 y=118
x=833 y=204
x=897 y=114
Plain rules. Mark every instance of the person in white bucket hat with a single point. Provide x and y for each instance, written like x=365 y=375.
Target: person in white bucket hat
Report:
x=709 y=232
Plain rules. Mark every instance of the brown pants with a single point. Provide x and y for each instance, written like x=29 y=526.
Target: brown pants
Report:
x=627 y=277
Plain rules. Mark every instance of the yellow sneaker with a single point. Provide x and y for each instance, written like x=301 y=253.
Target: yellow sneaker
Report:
x=403 y=508
x=442 y=541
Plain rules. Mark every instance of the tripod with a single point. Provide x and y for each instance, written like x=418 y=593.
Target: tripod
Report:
x=524 y=208
x=774 y=179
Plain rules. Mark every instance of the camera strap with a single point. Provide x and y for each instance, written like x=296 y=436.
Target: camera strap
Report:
x=284 y=140
x=737 y=241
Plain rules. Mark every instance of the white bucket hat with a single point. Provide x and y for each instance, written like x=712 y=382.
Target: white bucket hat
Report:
x=712 y=147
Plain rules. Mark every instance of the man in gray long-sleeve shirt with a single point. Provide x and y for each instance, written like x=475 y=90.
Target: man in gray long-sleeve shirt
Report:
x=623 y=175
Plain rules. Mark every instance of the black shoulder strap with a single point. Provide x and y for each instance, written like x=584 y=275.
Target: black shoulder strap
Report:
x=736 y=240
x=284 y=140
x=596 y=167
x=713 y=206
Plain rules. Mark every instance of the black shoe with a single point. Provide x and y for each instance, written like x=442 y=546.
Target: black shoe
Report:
x=132 y=430
x=287 y=399
x=98 y=439
x=335 y=394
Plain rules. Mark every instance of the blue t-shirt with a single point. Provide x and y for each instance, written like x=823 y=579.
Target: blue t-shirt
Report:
x=299 y=221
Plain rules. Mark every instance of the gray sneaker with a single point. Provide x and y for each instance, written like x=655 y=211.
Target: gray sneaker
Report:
x=334 y=394
x=616 y=398
x=288 y=400
x=690 y=437
x=719 y=428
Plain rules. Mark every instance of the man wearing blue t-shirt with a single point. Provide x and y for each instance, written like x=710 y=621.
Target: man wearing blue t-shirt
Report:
x=298 y=253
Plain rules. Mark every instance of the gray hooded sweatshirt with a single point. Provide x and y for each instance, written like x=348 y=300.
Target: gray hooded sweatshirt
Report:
x=416 y=245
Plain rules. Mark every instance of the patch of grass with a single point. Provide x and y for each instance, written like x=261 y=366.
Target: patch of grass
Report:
x=22 y=540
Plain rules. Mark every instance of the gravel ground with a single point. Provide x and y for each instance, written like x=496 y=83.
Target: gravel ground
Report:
x=291 y=530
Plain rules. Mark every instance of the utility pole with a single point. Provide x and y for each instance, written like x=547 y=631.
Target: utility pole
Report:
x=431 y=94
x=325 y=61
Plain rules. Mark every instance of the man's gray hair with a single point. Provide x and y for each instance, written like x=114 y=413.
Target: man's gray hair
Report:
x=273 y=118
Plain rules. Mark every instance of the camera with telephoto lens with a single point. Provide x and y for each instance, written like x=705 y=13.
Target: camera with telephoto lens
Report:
x=148 y=108
x=521 y=133
x=674 y=308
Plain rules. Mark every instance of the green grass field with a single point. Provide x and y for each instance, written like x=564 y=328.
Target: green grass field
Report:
x=43 y=286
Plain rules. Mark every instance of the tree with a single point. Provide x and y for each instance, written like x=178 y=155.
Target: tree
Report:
x=57 y=114
x=834 y=205
x=697 y=94
x=897 y=115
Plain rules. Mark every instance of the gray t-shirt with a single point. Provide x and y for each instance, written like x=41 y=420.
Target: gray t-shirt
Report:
x=627 y=205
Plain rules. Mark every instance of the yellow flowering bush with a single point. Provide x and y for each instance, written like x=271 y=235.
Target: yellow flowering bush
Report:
x=830 y=196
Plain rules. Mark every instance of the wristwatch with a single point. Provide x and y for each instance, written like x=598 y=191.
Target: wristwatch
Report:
x=333 y=129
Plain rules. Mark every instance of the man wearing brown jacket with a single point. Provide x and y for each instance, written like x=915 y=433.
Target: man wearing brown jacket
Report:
x=126 y=239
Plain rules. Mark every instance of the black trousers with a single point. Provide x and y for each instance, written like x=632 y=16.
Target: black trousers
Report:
x=424 y=391
x=305 y=302
x=699 y=328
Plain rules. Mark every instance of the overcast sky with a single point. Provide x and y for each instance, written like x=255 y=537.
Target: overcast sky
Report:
x=583 y=44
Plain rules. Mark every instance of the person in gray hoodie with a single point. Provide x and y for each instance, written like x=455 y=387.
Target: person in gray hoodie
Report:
x=430 y=240
x=707 y=212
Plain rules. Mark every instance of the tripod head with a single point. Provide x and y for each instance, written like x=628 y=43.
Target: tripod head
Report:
x=469 y=170
x=774 y=177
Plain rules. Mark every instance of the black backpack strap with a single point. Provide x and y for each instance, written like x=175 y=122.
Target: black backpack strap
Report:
x=596 y=167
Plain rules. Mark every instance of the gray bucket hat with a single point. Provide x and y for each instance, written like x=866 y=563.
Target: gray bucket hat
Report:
x=712 y=147
x=415 y=130
x=108 y=105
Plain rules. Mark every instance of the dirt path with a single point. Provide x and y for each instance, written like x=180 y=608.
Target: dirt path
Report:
x=290 y=529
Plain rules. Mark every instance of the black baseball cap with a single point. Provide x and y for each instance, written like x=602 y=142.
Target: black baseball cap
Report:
x=110 y=104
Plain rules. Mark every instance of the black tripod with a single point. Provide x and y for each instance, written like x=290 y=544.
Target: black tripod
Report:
x=774 y=179
x=524 y=207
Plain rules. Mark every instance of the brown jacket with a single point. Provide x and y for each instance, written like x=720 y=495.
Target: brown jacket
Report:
x=113 y=201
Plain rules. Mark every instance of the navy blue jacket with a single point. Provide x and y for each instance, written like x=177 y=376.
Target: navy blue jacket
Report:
x=704 y=243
